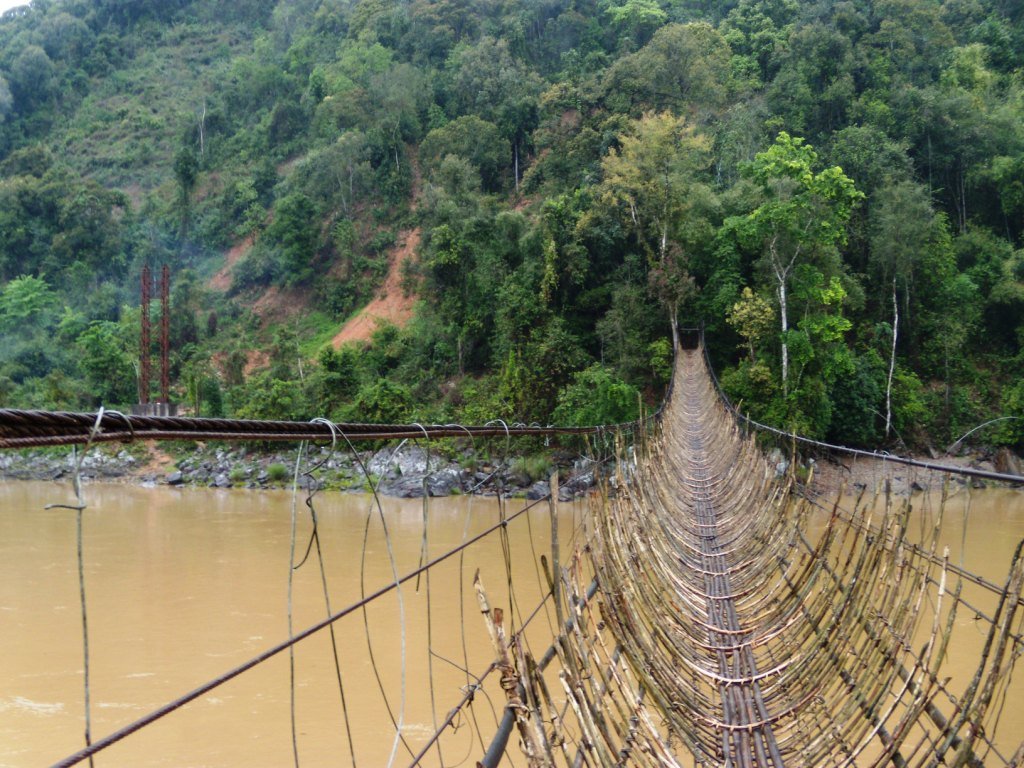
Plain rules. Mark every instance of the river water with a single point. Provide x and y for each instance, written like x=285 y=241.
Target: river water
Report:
x=185 y=584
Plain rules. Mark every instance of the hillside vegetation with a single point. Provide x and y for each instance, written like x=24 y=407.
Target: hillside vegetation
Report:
x=834 y=190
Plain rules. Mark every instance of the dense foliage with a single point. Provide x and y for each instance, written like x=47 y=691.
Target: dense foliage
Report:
x=833 y=189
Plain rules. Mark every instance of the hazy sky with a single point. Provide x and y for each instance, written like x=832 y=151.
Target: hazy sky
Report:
x=6 y=4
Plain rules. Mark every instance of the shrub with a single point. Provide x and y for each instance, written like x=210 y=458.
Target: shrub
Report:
x=536 y=467
x=277 y=473
x=596 y=397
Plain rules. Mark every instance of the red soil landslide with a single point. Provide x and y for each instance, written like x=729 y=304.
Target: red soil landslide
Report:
x=390 y=304
x=222 y=280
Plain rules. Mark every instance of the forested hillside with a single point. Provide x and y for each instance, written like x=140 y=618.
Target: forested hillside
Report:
x=835 y=190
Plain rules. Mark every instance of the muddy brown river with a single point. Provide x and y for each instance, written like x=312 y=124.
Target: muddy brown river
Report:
x=183 y=585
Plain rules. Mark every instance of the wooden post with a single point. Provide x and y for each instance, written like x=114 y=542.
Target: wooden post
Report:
x=533 y=740
x=556 y=567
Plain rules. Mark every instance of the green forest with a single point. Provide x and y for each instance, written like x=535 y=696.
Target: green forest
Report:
x=833 y=189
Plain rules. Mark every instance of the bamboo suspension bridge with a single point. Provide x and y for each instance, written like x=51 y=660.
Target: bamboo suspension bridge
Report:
x=710 y=609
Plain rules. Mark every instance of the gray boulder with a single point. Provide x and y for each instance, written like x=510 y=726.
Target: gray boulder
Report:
x=444 y=483
x=538 y=490
x=409 y=460
x=404 y=487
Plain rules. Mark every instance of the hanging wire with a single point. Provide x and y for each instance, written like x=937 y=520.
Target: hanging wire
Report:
x=291 y=580
x=399 y=721
x=424 y=556
x=312 y=488
x=79 y=508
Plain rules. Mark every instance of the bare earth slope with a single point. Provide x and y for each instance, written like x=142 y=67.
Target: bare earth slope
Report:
x=390 y=304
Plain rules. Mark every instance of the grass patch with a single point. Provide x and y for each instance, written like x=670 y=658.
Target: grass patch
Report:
x=536 y=467
x=277 y=473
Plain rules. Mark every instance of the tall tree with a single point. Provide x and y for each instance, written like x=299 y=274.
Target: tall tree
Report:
x=903 y=225
x=655 y=180
x=802 y=219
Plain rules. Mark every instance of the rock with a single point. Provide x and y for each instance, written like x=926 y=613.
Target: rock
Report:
x=404 y=487
x=1008 y=463
x=518 y=479
x=443 y=483
x=538 y=490
x=175 y=478
x=263 y=476
x=407 y=461
x=222 y=481
x=916 y=486
x=578 y=484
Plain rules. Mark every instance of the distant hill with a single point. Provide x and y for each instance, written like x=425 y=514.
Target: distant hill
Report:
x=534 y=193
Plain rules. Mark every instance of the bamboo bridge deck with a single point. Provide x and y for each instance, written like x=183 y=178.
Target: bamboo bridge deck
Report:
x=768 y=649
x=748 y=641
x=713 y=612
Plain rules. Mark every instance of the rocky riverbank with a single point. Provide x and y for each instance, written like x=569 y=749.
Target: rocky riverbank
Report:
x=409 y=472
x=855 y=473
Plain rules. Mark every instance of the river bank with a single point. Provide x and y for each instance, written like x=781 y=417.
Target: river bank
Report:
x=411 y=472
x=406 y=472
x=856 y=473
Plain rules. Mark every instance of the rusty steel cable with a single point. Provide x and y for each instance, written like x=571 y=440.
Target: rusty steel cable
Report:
x=31 y=429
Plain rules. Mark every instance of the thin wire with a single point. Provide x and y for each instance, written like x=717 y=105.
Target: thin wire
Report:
x=312 y=489
x=424 y=551
x=398 y=722
x=291 y=628
x=260 y=658
x=79 y=508
x=462 y=600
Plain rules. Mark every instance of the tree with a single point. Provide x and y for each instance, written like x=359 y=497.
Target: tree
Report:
x=105 y=363
x=753 y=318
x=6 y=99
x=32 y=77
x=655 y=181
x=903 y=224
x=683 y=67
x=23 y=301
x=487 y=81
x=340 y=173
x=65 y=37
x=815 y=86
x=186 y=171
x=803 y=218
x=295 y=231
x=596 y=397
x=472 y=138
x=637 y=18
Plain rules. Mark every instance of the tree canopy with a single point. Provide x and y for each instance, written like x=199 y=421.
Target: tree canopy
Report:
x=834 y=191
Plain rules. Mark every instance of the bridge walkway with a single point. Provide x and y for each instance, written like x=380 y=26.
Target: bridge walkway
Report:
x=715 y=612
